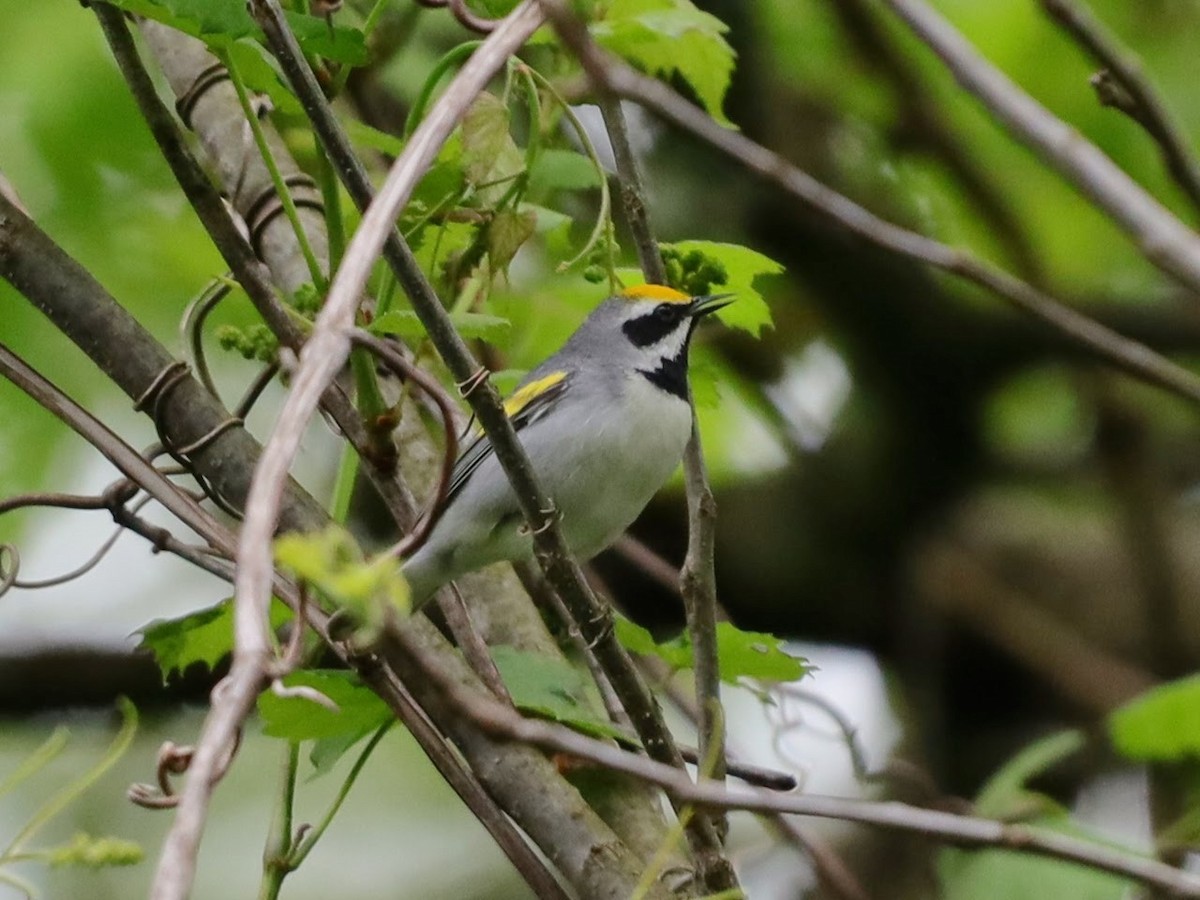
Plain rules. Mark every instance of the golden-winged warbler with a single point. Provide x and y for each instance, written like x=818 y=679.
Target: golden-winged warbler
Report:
x=604 y=422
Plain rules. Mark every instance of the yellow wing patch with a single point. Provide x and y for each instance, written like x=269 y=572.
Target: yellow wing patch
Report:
x=523 y=396
x=654 y=292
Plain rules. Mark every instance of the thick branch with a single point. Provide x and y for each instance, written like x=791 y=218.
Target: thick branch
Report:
x=128 y=354
x=251 y=274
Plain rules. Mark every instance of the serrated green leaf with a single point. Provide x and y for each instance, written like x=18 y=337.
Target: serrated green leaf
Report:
x=299 y=719
x=743 y=267
x=556 y=169
x=551 y=688
x=204 y=637
x=754 y=654
x=675 y=653
x=404 y=323
x=741 y=654
x=1162 y=724
x=666 y=37
x=220 y=22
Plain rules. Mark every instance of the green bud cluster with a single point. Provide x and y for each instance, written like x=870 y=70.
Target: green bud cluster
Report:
x=694 y=273
x=95 y=853
x=252 y=342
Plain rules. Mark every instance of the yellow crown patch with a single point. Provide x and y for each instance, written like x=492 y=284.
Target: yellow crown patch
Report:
x=654 y=292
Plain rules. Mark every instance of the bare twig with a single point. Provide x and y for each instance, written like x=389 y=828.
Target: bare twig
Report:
x=464 y=14
x=1123 y=85
x=1160 y=236
x=697 y=580
x=959 y=830
x=1127 y=355
x=923 y=124
x=128 y=461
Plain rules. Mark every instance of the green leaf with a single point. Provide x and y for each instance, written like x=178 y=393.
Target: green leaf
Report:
x=204 y=637
x=741 y=654
x=506 y=233
x=562 y=170
x=754 y=654
x=332 y=562
x=675 y=653
x=489 y=152
x=220 y=22
x=299 y=719
x=1162 y=724
x=1004 y=796
x=668 y=37
x=551 y=688
x=327 y=751
x=363 y=135
x=1001 y=875
x=404 y=323
x=256 y=66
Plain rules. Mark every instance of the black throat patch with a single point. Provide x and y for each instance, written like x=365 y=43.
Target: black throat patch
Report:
x=671 y=374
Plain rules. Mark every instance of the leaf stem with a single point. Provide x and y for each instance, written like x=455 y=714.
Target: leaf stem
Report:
x=304 y=847
x=74 y=789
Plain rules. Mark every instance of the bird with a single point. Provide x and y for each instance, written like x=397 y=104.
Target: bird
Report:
x=604 y=421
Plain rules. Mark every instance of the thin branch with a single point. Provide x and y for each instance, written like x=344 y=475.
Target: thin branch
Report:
x=1160 y=236
x=922 y=123
x=128 y=461
x=1126 y=355
x=697 y=580
x=958 y=830
x=328 y=344
x=1123 y=85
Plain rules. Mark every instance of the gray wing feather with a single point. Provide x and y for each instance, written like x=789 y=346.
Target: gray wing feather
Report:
x=481 y=448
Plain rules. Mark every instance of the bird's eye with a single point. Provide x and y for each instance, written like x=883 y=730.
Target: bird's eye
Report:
x=664 y=312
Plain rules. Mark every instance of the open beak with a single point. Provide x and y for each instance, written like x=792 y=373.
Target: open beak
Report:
x=709 y=303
